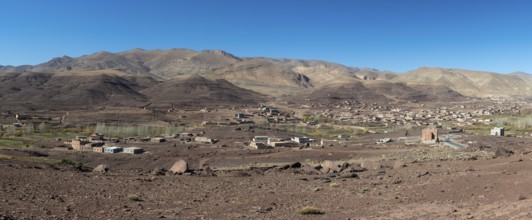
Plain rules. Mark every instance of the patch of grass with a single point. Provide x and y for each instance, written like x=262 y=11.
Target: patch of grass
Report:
x=2 y=156
x=74 y=164
x=39 y=160
x=134 y=197
x=310 y=210
x=11 y=143
x=334 y=185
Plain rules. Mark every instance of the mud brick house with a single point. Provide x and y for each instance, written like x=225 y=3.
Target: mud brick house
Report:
x=81 y=144
x=157 y=140
x=496 y=131
x=133 y=150
x=205 y=140
x=301 y=140
x=429 y=135
x=259 y=145
x=261 y=139
x=112 y=150
x=98 y=149
x=96 y=137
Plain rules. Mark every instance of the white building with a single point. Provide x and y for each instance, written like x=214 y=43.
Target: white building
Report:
x=496 y=131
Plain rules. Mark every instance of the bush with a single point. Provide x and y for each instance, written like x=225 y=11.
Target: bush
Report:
x=309 y=210
x=134 y=197
x=73 y=164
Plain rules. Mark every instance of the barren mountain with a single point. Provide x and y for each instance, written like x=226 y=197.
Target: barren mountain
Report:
x=281 y=77
x=385 y=92
x=266 y=75
x=197 y=90
x=471 y=83
x=73 y=89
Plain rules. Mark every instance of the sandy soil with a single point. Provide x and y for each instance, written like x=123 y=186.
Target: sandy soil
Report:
x=407 y=182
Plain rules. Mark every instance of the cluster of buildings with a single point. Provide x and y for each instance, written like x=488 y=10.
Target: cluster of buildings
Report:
x=265 y=142
x=96 y=143
x=360 y=113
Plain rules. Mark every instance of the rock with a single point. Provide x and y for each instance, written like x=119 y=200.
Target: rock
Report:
x=284 y=167
x=348 y=175
x=521 y=197
x=371 y=165
x=102 y=168
x=328 y=166
x=295 y=165
x=179 y=167
x=357 y=168
x=207 y=171
x=333 y=166
x=310 y=170
x=398 y=164
x=503 y=152
x=158 y=171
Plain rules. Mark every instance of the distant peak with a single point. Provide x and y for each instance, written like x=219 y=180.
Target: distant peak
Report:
x=521 y=73
x=102 y=53
x=222 y=53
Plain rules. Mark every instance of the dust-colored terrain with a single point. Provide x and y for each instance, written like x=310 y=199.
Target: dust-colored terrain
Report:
x=227 y=137
x=400 y=182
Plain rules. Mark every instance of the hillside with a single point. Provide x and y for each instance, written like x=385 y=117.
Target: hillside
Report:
x=385 y=92
x=108 y=87
x=471 y=83
x=195 y=90
x=285 y=77
x=266 y=75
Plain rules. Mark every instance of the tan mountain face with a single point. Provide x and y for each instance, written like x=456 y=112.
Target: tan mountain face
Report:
x=472 y=83
x=284 y=77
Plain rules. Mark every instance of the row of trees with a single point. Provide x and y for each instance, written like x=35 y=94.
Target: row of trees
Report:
x=137 y=130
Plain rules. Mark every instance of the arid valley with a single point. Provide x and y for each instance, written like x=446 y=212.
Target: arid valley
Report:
x=184 y=134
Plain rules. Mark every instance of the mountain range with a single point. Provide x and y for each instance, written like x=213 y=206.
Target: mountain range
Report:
x=157 y=76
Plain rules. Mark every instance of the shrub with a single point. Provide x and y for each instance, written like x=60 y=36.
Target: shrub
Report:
x=76 y=165
x=309 y=210
x=134 y=197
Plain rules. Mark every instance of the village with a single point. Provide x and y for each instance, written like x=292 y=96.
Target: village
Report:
x=424 y=124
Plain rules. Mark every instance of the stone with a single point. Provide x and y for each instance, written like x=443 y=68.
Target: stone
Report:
x=371 y=165
x=102 y=168
x=295 y=165
x=503 y=152
x=179 y=167
x=158 y=171
x=348 y=175
x=333 y=166
x=357 y=168
x=398 y=164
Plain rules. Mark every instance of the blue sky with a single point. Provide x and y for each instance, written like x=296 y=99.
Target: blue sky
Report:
x=395 y=35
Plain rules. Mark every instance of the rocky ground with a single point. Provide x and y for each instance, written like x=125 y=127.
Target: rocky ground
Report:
x=402 y=183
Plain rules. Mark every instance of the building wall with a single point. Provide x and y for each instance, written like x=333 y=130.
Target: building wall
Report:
x=429 y=134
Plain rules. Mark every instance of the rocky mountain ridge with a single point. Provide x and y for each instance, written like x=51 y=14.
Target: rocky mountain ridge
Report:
x=278 y=76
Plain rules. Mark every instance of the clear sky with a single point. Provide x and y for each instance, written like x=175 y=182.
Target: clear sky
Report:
x=395 y=35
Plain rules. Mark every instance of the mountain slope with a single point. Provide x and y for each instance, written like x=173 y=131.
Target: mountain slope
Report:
x=73 y=89
x=196 y=90
x=471 y=83
x=266 y=75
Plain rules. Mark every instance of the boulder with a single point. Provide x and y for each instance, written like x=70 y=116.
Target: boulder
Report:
x=333 y=166
x=348 y=175
x=102 y=168
x=179 y=167
x=371 y=165
x=295 y=165
x=158 y=171
x=503 y=152
x=398 y=164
